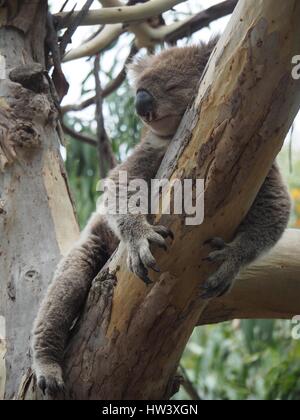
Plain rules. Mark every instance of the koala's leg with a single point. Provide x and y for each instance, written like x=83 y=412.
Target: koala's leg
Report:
x=64 y=299
x=258 y=233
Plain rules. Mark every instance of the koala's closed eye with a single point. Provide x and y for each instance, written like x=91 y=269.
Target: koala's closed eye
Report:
x=171 y=87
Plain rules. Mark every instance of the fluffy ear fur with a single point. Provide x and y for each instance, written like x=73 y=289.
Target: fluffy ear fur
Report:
x=142 y=63
x=138 y=66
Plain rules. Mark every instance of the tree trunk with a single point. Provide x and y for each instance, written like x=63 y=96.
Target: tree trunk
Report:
x=37 y=221
x=130 y=338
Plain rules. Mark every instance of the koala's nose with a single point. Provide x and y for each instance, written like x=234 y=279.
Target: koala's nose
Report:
x=144 y=103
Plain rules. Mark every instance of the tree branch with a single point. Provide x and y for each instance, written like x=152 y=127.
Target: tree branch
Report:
x=75 y=22
x=147 y=36
x=99 y=117
x=125 y=14
x=110 y=3
x=188 y=386
x=201 y=20
x=111 y=87
x=108 y=35
x=78 y=136
x=111 y=160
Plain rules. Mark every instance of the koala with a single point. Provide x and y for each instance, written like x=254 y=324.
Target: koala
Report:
x=164 y=86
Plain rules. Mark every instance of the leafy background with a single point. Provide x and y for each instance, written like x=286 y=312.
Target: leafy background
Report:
x=233 y=361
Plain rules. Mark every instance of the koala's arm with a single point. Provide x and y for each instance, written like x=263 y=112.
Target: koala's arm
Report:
x=134 y=229
x=71 y=283
x=259 y=232
x=64 y=299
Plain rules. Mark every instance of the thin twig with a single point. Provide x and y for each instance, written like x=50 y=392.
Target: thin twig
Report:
x=291 y=149
x=78 y=18
x=106 y=157
x=78 y=136
x=188 y=386
x=111 y=87
x=202 y=20
x=61 y=86
x=94 y=34
x=83 y=138
x=63 y=6
x=99 y=116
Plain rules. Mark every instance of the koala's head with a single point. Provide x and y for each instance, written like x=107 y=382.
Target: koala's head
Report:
x=165 y=85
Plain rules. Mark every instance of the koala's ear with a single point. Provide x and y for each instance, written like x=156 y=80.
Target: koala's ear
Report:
x=138 y=66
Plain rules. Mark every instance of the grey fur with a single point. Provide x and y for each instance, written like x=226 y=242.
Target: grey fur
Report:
x=259 y=232
x=172 y=78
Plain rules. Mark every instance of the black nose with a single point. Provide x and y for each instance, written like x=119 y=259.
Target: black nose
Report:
x=144 y=103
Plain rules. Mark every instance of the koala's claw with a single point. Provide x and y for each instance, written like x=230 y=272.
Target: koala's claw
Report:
x=209 y=292
x=220 y=282
x=216 y=242
x=216 y=256
x=140 y=258
x=164 y=232
x=50 y=385
x=49 y=378
x=136 y=266
x=41 y=381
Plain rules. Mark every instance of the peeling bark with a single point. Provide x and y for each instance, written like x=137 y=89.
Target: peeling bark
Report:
x=2 y=357
x=37 y=221
x=19 y=136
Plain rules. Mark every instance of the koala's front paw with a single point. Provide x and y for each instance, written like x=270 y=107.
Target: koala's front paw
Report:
x=140 y=257
x=220 y=282
x=49 y=378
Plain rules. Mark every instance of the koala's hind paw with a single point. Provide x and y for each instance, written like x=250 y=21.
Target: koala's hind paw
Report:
x=49 y=379
x=50 y=385
x=140 y=257
x=220 y=282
